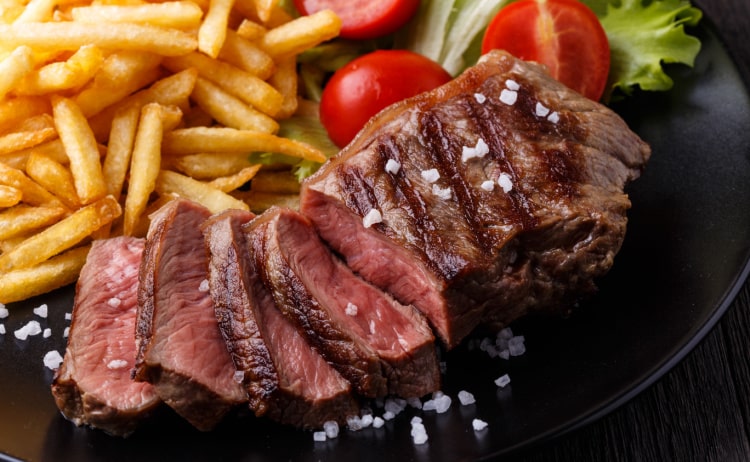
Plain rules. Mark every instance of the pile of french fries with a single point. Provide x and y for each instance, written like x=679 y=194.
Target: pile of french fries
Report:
x=111 y=108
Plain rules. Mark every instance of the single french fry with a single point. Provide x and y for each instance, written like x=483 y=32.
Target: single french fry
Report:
x=244 y=85
x=279 y=182
x=53 y=149
x=14 y=67
x=213 y=199
x=33 y=194
x=173 y=90
x=245 y=55
x=54 y=177
x=21 y=219
x=9 y=196
x=172 y=14
x=120 y=74
x=230 y=110
x=232 y=182
x=63 y=235
x=228 y=140
x=45 y=277
x=82 y=149
x=264 y=8
x=301 y=33
x=144 y=165
x=69 y=35
x=277 y=17
x=30 y=133
x=206 y=166
x=13 y=111
x=37 y=11
x=70 y=74
x=251 y=30
x=120 y=148
x=212 y=31
x=285 y=81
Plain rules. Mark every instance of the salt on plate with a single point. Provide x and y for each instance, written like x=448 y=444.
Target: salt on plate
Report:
x=4 y=313
x=466 y=398
x=319 y=436
x=52 y=360
x=30 y=328
x=377 y=422
x=418 y=432
x=478 y=424
x=502 y=381
x=331 y=429
x=47 y=333
x=2 y=329
x=41 y=310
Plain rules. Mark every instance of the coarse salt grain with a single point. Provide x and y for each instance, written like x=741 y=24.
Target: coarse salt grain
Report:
x=395 y=405
x=239 y=376
x=2 y=329
x=66 y=331
x=331 y=429
x=466 y=398
x=392 y=166
x=47 y=333
x=505 y=182
x=480 y=98
x=478 y=424
x=68 y=316
x=431 y=175
x=3 y=311
x=442 y=193
x=30 y=328
x=540 y=110
x=52 y=359
x=351 y=309
x=488 y=185
x=114 y=302
x=377 y=422
x=502 y=381
x=509 y=97
x=414 y=402
x=439 y=403
x=204 y=286
x=418 y=432
x=554 y=117
x=372 y=217
x=511 y=84
x=117 y=364
x=354 y=423
x=388 y=415
x=479 y=150
x=41 y=310
x=319 y=436
x=366 y=420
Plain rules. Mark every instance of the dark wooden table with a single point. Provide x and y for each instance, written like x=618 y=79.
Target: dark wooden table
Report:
x=700 y=410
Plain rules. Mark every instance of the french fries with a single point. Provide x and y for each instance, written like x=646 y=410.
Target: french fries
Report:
x=109 y=109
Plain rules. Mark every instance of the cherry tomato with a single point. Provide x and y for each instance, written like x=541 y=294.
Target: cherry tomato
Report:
x=564 y=35
x=364 y=86
x=364 y=19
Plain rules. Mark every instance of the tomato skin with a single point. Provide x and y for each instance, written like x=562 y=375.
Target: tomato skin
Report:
x=364 y=19
x=564 y=35
x=368 y=84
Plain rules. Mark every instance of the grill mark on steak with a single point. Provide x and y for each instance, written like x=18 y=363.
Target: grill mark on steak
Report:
x=93 y=385
x=286 y=379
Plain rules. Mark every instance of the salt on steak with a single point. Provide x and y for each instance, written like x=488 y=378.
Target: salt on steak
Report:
x=180 y=348
x=380 y=345
x=494 y=195
x=93 y=385
x=285 y=378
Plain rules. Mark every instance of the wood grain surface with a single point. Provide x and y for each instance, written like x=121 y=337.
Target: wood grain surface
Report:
x=700 y=410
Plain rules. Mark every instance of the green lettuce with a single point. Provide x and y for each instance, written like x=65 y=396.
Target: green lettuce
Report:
x=643 y=36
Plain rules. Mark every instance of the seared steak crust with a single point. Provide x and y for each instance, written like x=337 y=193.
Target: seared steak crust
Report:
x=508 y=196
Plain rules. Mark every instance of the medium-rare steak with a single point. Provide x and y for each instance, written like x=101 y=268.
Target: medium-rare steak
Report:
x=494 y=195
x=93 y=385
x=285 y=378
x=380 y=345
x=180 y=348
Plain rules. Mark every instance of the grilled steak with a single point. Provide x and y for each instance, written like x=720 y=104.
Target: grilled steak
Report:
x=93 y=384
x=180 y=348
x=381 y=346
x=497 y=194
x=286 y=379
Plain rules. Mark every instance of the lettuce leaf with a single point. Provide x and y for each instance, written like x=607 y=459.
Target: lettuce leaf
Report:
x=644 y=35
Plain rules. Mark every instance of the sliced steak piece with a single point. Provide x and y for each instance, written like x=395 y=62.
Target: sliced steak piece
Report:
x=380 y=345
x=93 y=385
x=180 y=348
x=497 y=194
x=285 y=378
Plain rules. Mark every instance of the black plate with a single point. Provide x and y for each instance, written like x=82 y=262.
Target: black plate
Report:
x=684 y=258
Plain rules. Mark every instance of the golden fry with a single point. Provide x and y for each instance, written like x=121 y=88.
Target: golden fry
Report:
x=208 y=166
x=144 y=165
x=245 y=55
x=9 y=196
x=21 y=219
x=212 y=31
x=300 y=34
x=228 y=140
x=49 y=275
x=285 y=81
x=14 y=67
x=54 y=177
x=120 y=148
x=230 y=110
x=251 y=30
x=175 y=14
x=37 y=11
x=13 y=111
x=30 y=133
x=69 y=74
x=263 y=9
x=81 y=147
x=183 y=186
x=232 y=182
x=62 y=235
x=33 y=194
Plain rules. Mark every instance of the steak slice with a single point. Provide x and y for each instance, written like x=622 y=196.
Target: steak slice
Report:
x=285 y=378
x=180 y=348
x=494 y=195
x=93 y=385
x=380 y=345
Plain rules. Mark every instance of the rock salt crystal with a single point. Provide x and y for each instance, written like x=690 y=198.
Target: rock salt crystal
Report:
x=502 y=381
x=509 y=97
x=505 y=182
x=372 y=217
x=41 y=310
x=52 y=360
x=478 y=424
x=431 y=175
x=466 y=398
x=31 y=328
x=392 y=166
x=480 y=98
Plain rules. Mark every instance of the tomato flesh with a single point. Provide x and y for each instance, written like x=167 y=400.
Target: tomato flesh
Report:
x=368 y=84
x=564 y=35
x=364 y=19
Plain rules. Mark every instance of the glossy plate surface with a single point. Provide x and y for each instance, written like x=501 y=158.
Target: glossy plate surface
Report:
x=684 y=258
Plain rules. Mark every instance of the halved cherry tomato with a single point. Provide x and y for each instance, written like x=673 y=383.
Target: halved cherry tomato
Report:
x=364 y=86
x=564 y=35
x=364 y=19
